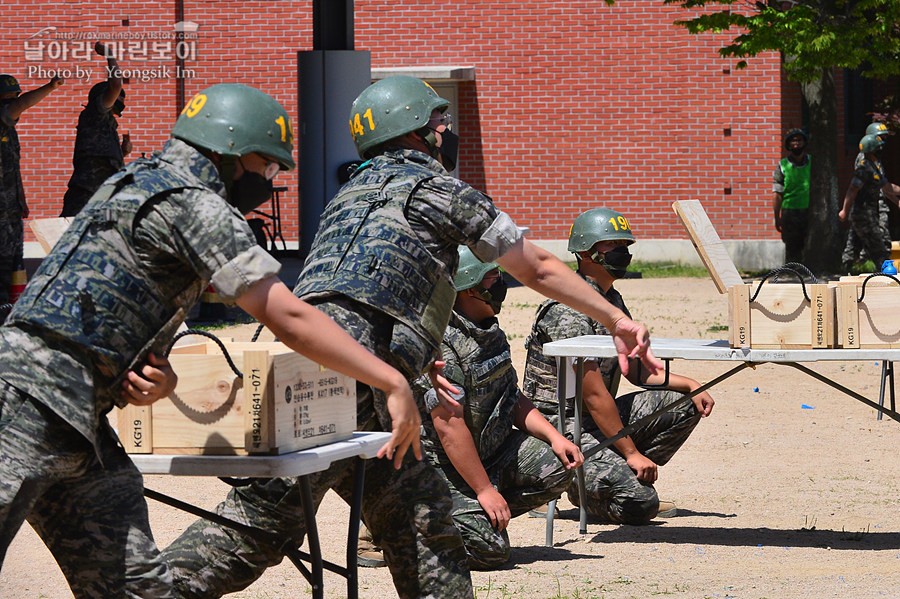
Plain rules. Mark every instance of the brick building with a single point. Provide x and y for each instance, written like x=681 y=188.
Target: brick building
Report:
x=561 y=105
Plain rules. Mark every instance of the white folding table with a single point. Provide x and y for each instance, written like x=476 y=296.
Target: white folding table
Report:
x=666 y=349
x=363 y=445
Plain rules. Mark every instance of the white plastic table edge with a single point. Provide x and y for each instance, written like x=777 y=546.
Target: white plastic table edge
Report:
x=297 y=463
x=601 y=346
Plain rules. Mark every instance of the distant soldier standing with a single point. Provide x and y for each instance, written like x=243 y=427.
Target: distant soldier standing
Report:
x=862 y=201
x=13 y=207
x=98 y=153
x=790 y=199
x=854 y=246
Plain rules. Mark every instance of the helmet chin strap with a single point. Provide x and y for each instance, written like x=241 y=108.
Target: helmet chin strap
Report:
x=226 y=172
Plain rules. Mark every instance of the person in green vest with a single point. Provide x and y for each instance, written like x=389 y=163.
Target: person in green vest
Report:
x=790 y=199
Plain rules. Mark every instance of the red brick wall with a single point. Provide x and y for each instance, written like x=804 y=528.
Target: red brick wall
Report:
x=576 y=104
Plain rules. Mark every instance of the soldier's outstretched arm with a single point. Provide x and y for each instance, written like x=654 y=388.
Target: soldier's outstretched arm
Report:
x=28 y=99
x=314 y=334
x=542 y=271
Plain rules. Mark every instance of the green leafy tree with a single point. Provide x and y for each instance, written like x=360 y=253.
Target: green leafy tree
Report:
x=814 y=37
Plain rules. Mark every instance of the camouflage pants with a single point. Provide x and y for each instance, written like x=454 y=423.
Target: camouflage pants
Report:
x=614 y=493
x=527 y=473
x=12 y=243
x=407 y=510
x=92 y=517
x=869 y=232
x=793 y=233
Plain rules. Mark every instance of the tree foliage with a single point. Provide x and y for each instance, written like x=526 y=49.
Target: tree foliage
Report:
x=811 y=34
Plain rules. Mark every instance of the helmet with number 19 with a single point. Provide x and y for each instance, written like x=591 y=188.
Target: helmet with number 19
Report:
x=234 y=120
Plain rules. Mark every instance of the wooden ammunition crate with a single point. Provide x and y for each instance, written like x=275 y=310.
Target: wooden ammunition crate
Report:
x=874 y=321
x=284 y=402
x=780 y=317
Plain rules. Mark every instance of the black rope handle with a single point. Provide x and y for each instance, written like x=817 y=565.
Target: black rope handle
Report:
x=798 y=267
x=218 y=341
x=877 y=274
x=783 y=269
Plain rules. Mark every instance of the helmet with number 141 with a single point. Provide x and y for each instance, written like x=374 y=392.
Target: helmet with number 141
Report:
x=390 y=108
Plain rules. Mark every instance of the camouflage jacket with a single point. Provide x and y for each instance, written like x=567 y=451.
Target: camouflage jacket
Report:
x=389 y=238
x=121 y=279
x=555 y=321
x=479 y=365
x=870 y=177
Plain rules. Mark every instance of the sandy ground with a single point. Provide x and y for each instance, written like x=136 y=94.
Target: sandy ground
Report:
x=788 y=490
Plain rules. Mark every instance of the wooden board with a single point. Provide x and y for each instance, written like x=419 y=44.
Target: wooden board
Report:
x=780 y=317
x=874 y=322
x=708 y=244
x=49 y=230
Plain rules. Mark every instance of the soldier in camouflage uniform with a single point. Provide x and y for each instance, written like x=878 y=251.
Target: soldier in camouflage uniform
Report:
x=854 y=247
x=619 y=479
x=105 y=303
x=98 y=153
x=495 y=471
x=864 y=204
x=13 y=207
x=382 y=266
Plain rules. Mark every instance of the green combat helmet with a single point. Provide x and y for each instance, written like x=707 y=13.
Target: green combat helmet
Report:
x=390 y=108
x=233 y=120
x=598 y=224
x=878 y=129
x=9 y=84
x=870 y=143
x=470 y=270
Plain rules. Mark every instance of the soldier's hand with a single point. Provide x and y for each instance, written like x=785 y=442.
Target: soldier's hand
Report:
x=644 y=468
x=56 y=82
x=126 y=144
x=100 y=49
x=444 y=388
x=496 y=508
x=156 y=380
x=632 y=340
x=405 y=427
x=567 y=452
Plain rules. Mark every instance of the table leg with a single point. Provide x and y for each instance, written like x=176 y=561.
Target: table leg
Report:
x=353 y=529
x=561 y=427
x=579 y=472
x=312 y=536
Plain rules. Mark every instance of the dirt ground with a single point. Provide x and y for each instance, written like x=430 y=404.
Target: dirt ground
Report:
x=788 y=490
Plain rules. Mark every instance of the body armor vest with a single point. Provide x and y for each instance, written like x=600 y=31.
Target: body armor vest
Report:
x=490 y=383
x=92 y=292
x=366 y=250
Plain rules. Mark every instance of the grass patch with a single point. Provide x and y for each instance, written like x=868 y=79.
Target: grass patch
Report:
x=661 y=270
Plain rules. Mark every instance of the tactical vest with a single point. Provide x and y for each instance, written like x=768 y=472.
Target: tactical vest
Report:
x=366 y=250
x=541 y=375
x=490 y=384
x=796 y=185
x=92 y=292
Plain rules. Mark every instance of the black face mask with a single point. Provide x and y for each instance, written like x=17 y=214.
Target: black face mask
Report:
x=798 y=151
x=494 y=295
x=118 y=106
x=249 y=192
x=615 y=261
x=449 y=149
